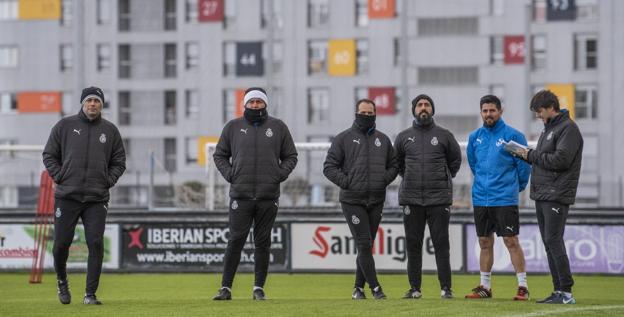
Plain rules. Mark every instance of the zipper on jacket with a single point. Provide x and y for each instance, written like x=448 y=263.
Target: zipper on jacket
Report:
x=84 y=175
x=367 y=169
x=255 y=183
x=422 y=167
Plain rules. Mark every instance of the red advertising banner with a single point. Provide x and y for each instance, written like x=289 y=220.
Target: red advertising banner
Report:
x=384 y=98
x=48 y=101
x=514 y=49
x=381 y=9
x=210 y=10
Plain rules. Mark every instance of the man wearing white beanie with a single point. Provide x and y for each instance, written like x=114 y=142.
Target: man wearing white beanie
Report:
x=254 y=154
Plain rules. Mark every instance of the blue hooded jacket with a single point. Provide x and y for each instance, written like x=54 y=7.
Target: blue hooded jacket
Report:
x=498 y=175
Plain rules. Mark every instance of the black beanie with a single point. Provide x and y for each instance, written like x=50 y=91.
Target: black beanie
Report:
x=92 y=91
x=422 y=96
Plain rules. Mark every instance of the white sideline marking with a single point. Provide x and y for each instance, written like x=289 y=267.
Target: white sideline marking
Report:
x=567 y=310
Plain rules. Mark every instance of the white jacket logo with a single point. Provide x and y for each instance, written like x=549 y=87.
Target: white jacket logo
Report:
x=434 y=141
x=58 y=212
x=234 y=205
x=377 y=142
x=549 y=136
x=355 y=220
x=103 y=138
x=500 y=142
x=269 y=132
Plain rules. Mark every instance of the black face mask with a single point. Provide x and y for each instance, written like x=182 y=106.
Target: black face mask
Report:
x=255 y=115
x=365 y=122
x=424 y=121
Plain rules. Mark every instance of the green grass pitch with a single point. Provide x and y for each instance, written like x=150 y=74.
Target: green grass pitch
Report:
x=299 y=295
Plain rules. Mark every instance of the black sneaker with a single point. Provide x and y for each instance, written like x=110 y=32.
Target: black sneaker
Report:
x=62 y=288
x=446 y=293
x=90 y=299
x=223 y=294
x=550 y=298
x=412 y=293
x=378 y=293
x=258 y=294
x=563 y=299
x=358 y=293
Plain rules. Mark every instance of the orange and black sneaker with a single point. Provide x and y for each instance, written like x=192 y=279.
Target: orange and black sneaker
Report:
x=480 y=292
x=523 y=293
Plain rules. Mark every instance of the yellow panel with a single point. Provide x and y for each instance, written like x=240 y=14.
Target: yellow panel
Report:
x=39 y=9
x=201 y=151
x=566 y=95
x=341 y=57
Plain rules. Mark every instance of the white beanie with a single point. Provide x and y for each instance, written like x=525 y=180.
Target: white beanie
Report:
x=255 y=94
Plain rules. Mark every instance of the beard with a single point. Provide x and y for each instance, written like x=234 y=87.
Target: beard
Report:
x=424 y=118
x=489 y=121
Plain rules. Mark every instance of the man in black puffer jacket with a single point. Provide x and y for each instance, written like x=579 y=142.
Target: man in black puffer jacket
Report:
x=361 y=161
x=85 y=157
x=429 y=157
x=254 y=154
x=554 y=180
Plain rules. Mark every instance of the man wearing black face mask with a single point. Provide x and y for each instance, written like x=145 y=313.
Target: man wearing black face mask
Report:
x=361 y=161
x=428 y=157
x=254 y=154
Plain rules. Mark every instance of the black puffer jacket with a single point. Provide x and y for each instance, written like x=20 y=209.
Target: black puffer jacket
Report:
x=362 y=165
x=262 y=156
x=557 y=161
x=85 y=158
x=428 y=158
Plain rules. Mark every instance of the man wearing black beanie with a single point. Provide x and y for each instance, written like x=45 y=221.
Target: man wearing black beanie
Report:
x=428 y=157
x=85 y=156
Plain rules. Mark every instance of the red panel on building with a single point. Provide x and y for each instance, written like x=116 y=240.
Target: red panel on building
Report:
x=384 y=98
x=514 y=49
x=381 y=9
x=239 y=107
x=210 y=10
x=47 y=101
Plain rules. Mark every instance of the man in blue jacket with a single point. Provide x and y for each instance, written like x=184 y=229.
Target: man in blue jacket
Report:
x=498 y=178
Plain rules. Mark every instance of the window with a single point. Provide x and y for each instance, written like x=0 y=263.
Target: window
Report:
x=461 y=125
x=67 y=57
x=277 y=56
x=461 y=75
x=170 y=15
x=586 y=103
x=361 y=53
x=276 y=17
x=317 y=57
x=8 y=102
x=125 y=62
x=585 y=51
x=103 y=57
x=127 y=148
x=448 y=26
x=192 y=13
x=9 y=10
x=497 y=53
x=229 y=104
x=67 y=12
x=192 y=55
x=170 y=108
x=170 y=60
x=124 y=15
x=124 y=108
x=68 y=103
x=360 y=93
x=397 y=52
x=191 y=103
x=170 y=154
x=103 y=11
x=539 y=10
x=229 y=12
x=538 y=52
x=318 y=13
x=318 y=105
x=276 y=100
x=361 y=12
x=229 y=59
x=497 y=7
x=587 y=9
x=8 y=56
x=191 y=150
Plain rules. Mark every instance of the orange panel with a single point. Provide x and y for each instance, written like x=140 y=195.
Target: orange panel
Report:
x=381 y=9
x=47 y=101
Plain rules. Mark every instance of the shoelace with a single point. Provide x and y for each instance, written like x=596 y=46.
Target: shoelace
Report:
x=63 y=287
